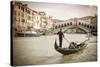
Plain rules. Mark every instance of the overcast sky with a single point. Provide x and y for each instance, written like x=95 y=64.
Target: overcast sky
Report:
x=63 y=11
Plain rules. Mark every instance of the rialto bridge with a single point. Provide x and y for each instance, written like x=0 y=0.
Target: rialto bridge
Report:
x=75 y=26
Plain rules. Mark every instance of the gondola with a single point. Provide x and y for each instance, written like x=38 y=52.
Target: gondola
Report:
x=67 y=51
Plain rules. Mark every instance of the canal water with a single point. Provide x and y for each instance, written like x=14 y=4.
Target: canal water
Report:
x=40 y=50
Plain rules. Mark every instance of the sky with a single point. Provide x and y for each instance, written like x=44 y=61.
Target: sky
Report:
x=63 y=11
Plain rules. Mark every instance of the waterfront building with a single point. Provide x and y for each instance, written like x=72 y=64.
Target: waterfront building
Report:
x=26 y=19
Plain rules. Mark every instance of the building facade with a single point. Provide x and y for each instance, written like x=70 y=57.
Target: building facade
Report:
x=26 y=19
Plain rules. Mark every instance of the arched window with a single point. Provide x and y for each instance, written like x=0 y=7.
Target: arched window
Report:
x=82 y=24
x=70 y=23
x=93 y=27
x=55 y=27
x=64 y=25
x=90 y=27
x=79 y=23
x=87 y=26
x=61 y=25
x=67 y=24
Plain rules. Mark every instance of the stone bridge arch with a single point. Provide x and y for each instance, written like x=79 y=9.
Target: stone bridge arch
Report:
x=86 y=30
x=83 y=26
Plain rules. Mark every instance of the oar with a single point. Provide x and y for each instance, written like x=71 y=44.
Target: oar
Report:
x=87 y=39
x=66 y=40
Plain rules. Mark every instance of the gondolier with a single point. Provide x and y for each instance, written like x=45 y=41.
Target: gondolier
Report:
x=61 y=35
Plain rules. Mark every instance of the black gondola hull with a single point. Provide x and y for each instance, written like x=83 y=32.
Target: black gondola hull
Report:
x=66 y=51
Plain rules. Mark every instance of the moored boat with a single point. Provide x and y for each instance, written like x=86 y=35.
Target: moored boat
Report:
x=28 y=34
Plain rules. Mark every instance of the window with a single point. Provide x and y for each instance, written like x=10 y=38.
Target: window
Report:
x=79 y=23
x=22 y=8
x=15 y=12
x=29 y=17
x=19 y=7
x=22 y=14
x=23 y=20
x=18 y=19
x=85 y=25
x=61 y=25
x=70 y=23
x=33 y=13
x=93 y=27
x=28 y=11
x=18 y=13
x=90 y=27
x=55 y=27
x=17 y=3
x=65 y=25
x=25 y=9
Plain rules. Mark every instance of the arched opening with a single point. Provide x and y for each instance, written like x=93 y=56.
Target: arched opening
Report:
x=82 y=24
x=93 y=27
x=90 y=27
x=61 y=25
x=79 y=23
x=85 y=25
x=55 y=27
x=70 y=23
x=64 y=25
x=75 y=30
x=67 y=24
